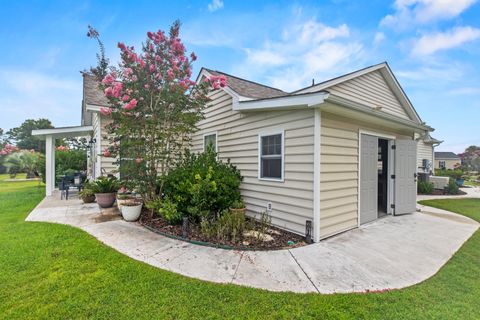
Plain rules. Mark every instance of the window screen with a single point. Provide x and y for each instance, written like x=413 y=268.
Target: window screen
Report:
x=271 y=157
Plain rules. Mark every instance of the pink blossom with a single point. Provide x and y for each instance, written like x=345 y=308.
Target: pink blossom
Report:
x=108 y=91
x=132 y=104
x=218 y=81
x=127 y=72
x=146 y=86
x=125 y=98
x=152 y=68
x=106 y=152
x=170 y=74
x=158 y=76
x=178 y=47
x=193 y=56
x=108 y=80
x=122 y=46
x=59 y=148
x=150 y=35
x=106 y=111
x=158 y=58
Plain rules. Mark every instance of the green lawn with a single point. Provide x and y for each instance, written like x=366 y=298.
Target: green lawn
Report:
x=58 y=272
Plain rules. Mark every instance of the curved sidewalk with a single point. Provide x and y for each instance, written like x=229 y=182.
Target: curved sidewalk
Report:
x=390 y=253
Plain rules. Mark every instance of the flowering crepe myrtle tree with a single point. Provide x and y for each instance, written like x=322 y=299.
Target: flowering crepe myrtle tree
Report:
x=154 y=108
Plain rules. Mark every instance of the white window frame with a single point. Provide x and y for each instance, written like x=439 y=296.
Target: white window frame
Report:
x=216 y=140
x=266 y=134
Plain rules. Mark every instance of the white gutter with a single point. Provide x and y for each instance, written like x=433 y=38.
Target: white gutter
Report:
x=297 y=101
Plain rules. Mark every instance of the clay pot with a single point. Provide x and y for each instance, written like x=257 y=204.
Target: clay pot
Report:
x=106 y=200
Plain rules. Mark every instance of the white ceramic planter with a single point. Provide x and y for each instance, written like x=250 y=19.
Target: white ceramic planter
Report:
x=131 y=213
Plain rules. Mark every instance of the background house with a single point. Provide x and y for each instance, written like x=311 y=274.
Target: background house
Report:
x=446 y=160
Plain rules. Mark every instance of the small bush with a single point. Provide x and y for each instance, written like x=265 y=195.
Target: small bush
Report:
x=168 y=210
x=452 y=187
x=424 y=187
x=202 y=186
x=228 y=226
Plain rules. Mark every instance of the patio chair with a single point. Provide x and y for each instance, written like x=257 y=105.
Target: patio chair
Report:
x=63 y=186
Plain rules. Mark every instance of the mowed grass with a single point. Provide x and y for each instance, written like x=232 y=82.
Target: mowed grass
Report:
x=50 y=271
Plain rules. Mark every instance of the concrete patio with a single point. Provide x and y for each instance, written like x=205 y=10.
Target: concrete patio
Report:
x=390 y=253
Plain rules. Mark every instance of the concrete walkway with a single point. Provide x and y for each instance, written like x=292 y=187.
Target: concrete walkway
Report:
x=392 y=252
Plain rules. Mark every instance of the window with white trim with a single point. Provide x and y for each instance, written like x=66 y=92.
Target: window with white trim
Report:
x=441 y=164
x=210 y=141
x=271 y=157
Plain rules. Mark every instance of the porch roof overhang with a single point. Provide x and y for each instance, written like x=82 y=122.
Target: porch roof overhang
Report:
x=305 y=100
x=344 y=107
x=63 y=132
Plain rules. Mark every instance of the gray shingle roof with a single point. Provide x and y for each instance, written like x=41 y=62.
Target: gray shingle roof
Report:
x=248 y=88
x=446 y=155
x=92 y=94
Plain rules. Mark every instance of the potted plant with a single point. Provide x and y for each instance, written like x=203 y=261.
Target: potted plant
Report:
x=131 y=209
x=238 y=207
x=87 y=195
x=105 y=189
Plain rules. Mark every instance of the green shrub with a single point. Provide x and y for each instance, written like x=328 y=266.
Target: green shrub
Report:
x=202 y=186
x=452 y=187
x=227 y=227
x=237 y=204
x=424 y=187
x=455 y=174
x=168 y=210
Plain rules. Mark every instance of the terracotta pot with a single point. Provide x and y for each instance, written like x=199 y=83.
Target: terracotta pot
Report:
x=105 y=200
x=238 y=211
x=88 y=199
x=131 y=213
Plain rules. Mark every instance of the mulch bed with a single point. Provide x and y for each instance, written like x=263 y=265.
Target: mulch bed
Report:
x=438 y=192
x=280 y=237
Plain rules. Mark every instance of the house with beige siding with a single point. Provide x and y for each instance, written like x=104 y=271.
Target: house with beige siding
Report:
x=321 y=160
x=333 y=156
x=447 y=160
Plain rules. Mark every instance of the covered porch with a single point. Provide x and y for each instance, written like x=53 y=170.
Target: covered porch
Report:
x=50 y=136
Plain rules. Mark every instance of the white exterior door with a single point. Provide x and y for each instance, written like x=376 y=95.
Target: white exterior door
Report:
x=368 y=178
x=405 y=176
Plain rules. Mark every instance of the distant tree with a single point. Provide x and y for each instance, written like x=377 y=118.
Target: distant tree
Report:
x=22 y=135
x=471 y=158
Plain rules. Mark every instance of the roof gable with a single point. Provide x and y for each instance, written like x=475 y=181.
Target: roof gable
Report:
x=374 y=86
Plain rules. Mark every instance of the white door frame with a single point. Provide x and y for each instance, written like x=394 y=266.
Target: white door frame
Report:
x=391 y=141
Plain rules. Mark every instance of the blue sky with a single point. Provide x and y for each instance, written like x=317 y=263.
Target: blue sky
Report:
x=432 y=46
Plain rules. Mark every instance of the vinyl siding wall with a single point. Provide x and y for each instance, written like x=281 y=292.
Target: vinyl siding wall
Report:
x=372 y=90
x=105 y=165
x=339 y=171
x=424 y=151
x=237 y=137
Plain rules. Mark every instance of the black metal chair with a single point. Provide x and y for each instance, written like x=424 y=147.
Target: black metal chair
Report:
x=64 y=187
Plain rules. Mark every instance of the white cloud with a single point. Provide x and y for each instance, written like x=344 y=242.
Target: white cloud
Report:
x=431 y=43
x=410 y=12
x=305 y=50
x=30 y=94
x=379 y=37
x=215 y=5
x=465 y=91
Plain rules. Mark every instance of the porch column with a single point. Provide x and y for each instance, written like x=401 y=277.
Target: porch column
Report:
x=50 y=164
